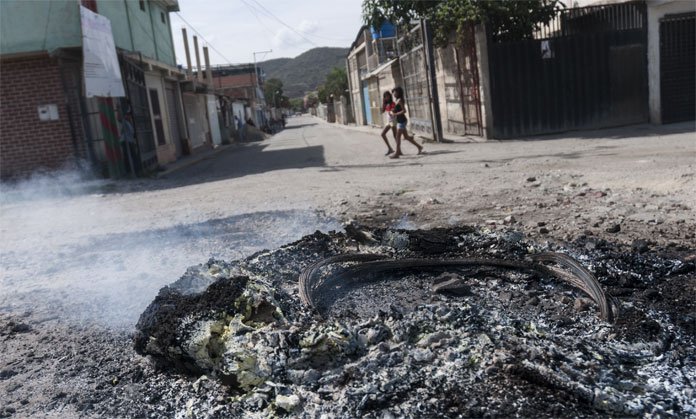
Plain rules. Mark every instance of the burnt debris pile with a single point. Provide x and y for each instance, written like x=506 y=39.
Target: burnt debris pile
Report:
x=380 y=323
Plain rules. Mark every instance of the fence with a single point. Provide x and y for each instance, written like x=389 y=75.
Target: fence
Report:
x=585 y=69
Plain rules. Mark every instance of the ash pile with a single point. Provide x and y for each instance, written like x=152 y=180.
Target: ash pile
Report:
x=449 y=322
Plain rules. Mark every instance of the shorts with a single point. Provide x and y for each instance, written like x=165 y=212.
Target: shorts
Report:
x=401 y=125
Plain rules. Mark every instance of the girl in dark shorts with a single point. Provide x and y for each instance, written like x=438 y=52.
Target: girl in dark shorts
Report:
x=399 y=113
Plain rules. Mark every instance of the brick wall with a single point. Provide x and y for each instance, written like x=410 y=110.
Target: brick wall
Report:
x=26 y=143
x=234 y=80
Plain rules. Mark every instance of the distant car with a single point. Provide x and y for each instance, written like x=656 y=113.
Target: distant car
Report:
x=298 y=113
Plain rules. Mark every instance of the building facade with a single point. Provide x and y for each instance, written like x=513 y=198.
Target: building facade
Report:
x=441 y=85
x=671 y=60
x=42 y=85
x=243 y=83
x=605 y=64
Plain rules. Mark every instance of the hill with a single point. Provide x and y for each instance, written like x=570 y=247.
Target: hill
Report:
x=306 y=71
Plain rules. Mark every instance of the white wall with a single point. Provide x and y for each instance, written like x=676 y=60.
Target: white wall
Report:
x=238 y=109
x=215 y=135
x=656 y=10
x=197 y=123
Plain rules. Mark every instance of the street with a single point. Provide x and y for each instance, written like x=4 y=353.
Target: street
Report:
x=117 y=240
x=94 y=253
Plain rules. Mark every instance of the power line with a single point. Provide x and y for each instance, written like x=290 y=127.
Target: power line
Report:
x=299 y=32
x=253 y=12
x=203 y=38
x=269 y=13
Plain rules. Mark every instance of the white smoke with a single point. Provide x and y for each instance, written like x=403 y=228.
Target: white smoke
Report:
x=63 y=183
x=404 y=223
x=74 y=248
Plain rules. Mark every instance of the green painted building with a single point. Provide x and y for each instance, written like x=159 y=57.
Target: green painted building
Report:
x=45 y=120
x=46 y=25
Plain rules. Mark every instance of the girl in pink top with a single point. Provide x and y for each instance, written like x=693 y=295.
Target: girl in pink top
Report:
x=388 y=106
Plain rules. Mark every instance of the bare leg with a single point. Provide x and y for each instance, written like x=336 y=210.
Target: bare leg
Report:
x=384 y=137
x=398 y=153
x=411 y=140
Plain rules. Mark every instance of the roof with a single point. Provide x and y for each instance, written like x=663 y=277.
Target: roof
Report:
x=357 y=38
x=170 y=5
x=379 y=69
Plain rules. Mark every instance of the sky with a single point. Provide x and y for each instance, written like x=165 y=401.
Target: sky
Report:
x=235 y=29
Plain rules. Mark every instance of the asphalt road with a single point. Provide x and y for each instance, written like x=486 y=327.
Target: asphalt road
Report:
x=81 y=258
x=73 y=247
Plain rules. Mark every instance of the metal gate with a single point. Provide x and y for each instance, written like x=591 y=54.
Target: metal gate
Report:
x=134 y=79
x=467 y=66
x=414 y=73
x=678 y=67
x=587 y=68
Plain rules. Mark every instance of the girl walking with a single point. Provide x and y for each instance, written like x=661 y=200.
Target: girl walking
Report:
x=388 y=107
x=399 y=113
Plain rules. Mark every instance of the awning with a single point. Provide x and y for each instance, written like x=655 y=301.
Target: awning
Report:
x=379 y=69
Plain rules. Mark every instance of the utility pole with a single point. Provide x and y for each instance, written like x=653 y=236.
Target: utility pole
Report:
x=427 y=34
x=256 y=76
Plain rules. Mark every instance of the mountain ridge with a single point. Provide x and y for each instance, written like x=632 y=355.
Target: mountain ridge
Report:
x=305 y=72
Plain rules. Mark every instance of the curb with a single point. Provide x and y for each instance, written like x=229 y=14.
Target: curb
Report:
x=376 y=130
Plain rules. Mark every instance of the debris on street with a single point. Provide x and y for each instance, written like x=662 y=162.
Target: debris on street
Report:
x=321 y=327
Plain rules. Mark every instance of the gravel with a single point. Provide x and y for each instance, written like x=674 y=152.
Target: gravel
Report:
x=82 y=258
x=394 y=346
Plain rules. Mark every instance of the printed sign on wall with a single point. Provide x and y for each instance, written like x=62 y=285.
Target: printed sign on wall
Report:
x=102 y=72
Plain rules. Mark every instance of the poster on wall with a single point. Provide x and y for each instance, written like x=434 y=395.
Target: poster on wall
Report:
x=101 y=69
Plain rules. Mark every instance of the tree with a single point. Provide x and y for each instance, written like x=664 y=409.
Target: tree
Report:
x=507 y=20
x=322 y=94
x=273 y=91
x=284 y=102
x=337 y=83
x=311 y=100
x=297 y=104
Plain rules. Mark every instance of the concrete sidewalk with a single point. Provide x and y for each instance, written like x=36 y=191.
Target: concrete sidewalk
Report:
x=626 y=131
x=369 y=129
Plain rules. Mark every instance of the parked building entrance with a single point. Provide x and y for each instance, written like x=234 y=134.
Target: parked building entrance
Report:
x=678 y=67
x=134 y=81
x=586 y=69
x=467 y=67
x=174 y=117
x=414 y=73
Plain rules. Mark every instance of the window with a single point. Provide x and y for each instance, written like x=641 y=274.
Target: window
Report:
x=90 y=4
x=164 y=19
x=142 y=4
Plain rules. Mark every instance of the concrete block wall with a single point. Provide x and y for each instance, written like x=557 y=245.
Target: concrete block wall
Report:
x=28 y=144
x=449 y=90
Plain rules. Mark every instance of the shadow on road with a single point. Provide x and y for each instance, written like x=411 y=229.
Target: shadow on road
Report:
x=300 y=126
x=245 y=160
x=617 y=133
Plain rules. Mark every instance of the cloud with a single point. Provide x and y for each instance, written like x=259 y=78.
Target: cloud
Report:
x=285 y=38
x=308 y=27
